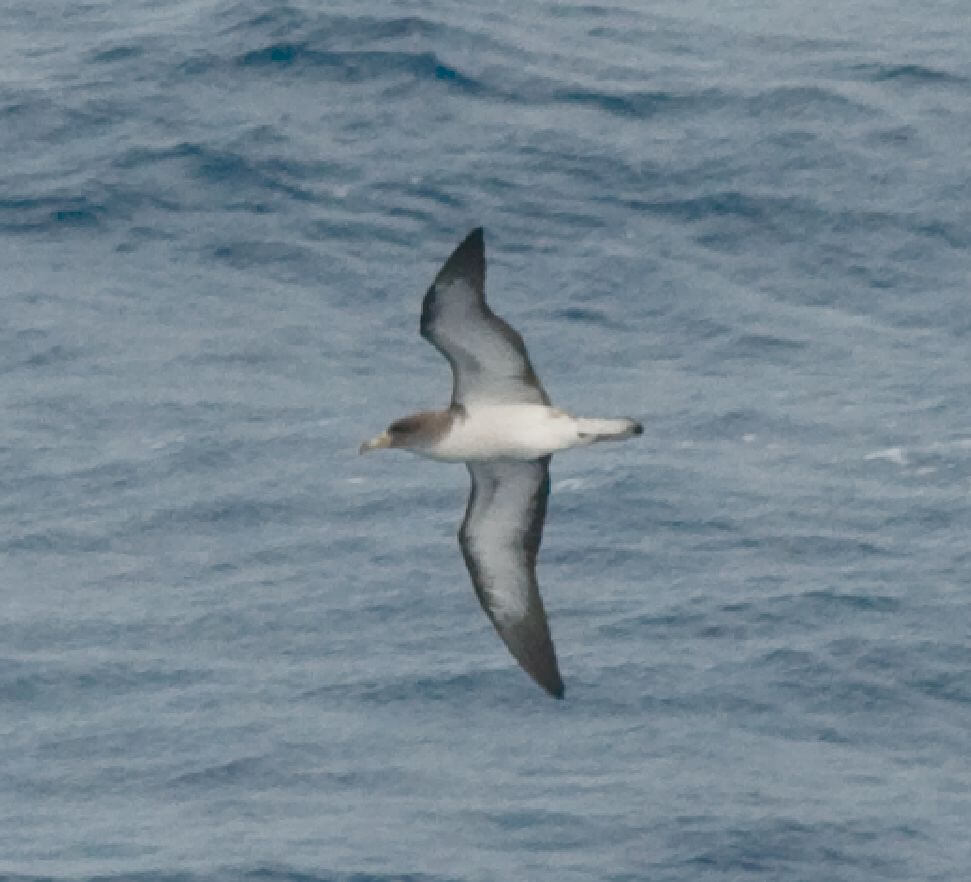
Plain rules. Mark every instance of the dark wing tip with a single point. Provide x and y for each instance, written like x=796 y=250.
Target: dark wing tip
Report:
x=474 y=239
x=540 y=664
x=549 y=679
x=532 y=647
x=466 y=262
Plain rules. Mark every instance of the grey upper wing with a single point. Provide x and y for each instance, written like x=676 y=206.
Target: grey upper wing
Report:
x=488 y=358
x=500 y=539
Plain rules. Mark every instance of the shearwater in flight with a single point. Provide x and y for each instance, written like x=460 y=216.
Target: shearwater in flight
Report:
x=501 y=424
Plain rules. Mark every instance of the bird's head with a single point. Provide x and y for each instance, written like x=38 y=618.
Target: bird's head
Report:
x=411 y=432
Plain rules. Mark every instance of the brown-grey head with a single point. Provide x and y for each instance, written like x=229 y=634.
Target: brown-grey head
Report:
x=415 y=432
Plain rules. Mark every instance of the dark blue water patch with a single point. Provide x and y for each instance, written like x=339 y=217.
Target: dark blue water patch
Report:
x=795 y=849
x=227 y=513
x=600 y=558
x=584 y=315
x=286 y=167
x=662 y=693
x=364 y=33
x=77 y=743
x=294 y=769
x=51 y=683
x=282 y=875
x=236 y=874
x=903 y=137
x=270 y=875
x=330 y=29
x=557 y=216
x=258 y=772
x=200 y=65
x=801 y=103
x=360 y=66
x=279 y=20
x=832 y=548
x=439 y=194
x=641 y=105
x=954 y=235
x=255 y=355
x=428 y=205
x=727 y=221
x=674 y=625
x=200 y=455
x=859 y=222
x=22 y=106
x=280 y=54
x=352 y=48
x=653 y=517
x=368 y=29
x=114 y=54
x=930 y=516
x=706 y=620
x=57 y=540
x=53 y=355
x=223 y=168
x=735 y=423
x=588 y=10
x=544 y=830
x=780 y=210
x=696 y=327
x=947 y=685
x=907 y=74
x=937 y=670
x=456 y=78
x=283 y=260
x=831 y=691
x=420 y=217
x=376 y=229
x=504 y=686
x=33 y=214
x=813 y=607
x=48 y=492
x=764 y=348
x=579 y=158
x=359 y=546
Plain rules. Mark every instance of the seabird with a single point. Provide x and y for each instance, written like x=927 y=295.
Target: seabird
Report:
x=501 y=424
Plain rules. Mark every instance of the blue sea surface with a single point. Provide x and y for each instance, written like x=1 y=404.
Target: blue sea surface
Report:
x=231 y=649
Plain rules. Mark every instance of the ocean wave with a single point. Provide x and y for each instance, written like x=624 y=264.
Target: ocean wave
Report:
x=794 y=103
x=53 y=682
x=224 y=167
x=912 y=74
x=358 y=66
x=786 y=848
x=252 y=873
x=33 y=214
x=641 y=104
x=225 y=513
x=116 y=53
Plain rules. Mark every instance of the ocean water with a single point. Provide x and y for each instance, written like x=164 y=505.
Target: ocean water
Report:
x=232 y=649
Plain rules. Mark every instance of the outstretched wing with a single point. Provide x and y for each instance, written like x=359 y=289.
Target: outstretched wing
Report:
x=500 y=539
x=488 y=359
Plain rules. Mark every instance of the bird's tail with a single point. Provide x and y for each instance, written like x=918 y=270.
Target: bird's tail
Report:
x=608 y=430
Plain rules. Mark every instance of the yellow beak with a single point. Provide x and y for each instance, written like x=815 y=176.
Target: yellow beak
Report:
x=376 y=443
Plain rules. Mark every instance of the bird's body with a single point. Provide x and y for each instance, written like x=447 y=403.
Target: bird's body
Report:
x=502 y=425
x=489 y=432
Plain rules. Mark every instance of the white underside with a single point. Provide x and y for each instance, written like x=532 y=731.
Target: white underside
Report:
x=518 y=431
